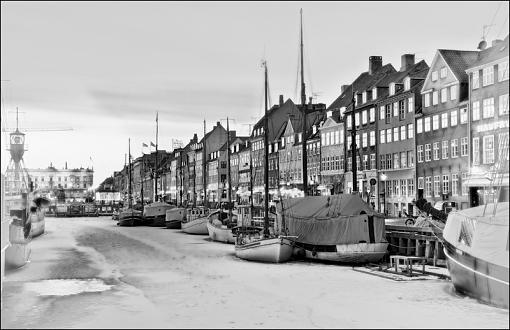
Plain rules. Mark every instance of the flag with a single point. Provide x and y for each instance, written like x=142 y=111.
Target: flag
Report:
x=144 y=145
x=152 y=144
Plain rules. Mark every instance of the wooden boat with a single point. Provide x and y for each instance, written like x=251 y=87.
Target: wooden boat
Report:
x=174 y=217
x=476 y=246
x=130 y=217
x=220 y=227
x=37 y=215
x=196 y=221
x=155 y=213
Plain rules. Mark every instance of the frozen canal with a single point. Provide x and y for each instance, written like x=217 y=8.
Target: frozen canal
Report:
x=90 y=273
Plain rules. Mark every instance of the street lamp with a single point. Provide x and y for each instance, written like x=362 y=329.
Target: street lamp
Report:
x=383 y=180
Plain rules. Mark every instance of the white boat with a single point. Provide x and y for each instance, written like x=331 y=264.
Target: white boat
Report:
x=254 y=247
x=195 y=221
x=155 y=213
x=339 y=228
x=220 y=228
x=174 y=217
x=476 y=246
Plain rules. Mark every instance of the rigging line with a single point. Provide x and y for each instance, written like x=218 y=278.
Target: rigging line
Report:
x=492 y=22
x=502 y=27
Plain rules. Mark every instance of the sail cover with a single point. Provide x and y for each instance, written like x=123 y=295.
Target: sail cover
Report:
x=331 y=220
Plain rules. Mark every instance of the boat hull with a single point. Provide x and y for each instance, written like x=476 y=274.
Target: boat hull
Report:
x=158 y=221
x=273 y=250
x=37 y=223
x=173 y=224
x=220 y=234
x=477 y=278
x=130 y=218
x=348 y=253
x=197 y=226
x=174 y=217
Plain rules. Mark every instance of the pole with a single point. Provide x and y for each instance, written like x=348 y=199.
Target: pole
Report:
x=303 y=109
x=353 y=148
x=129 y=184
x=204 y=172
x=156 y=164
x=228 y=175
x=266 y=161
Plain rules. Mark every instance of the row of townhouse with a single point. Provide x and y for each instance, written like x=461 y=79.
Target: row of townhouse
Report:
x=435 y=132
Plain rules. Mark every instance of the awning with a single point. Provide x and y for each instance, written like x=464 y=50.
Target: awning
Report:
x=483 y=180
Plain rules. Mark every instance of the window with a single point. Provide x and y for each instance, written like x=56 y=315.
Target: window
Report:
x=396 y=160
x=364 y=117
x=388 y=135
x=443 y=72
x=402 y=109
x=503 y=104
x=372 y=115
x=365 y=140
x=435 y=122
x=407 y=83
x=372 y=161
x=392 y=88
x=419 y=126
x=488 y=76
x=453 y=118
x=463 y=185
x=427 y=124
x=455 y=184
x=476 y=110
x=464 y=146
x=382 y=136
x=395 y=109
x=446 y=183
x=455 y=148
x=402 y=133
x=445 y=150
x=427 y=152
x=374 y=93
x=444 y=120
x=463 y=115
x=436 y=150
x=372 y=138
x=349 y=122
x=503 y=71
x=358 y=145
x=356 y=119
x=365 y=162
x=382 y=112
x=349 y=163
x=488 y=149
x=403 y=159
x=420 y=154
x=434 y=75
x=476 y=80
x=503 y=146
x=410 y=131
x=410 y=104
x=389 y=162
x=395 y=134
x=382 y=160
x=396 y=188
x=444 y=95
x=358 y=163
x=410 y=158
x=488 y=108
x=476 y=151
x=403 y=187
x=410 y=187
x=389 y=190
x=388 y=113
x=420 y=182
x=337 y=138
x=435 y=97
x=437 y=186
x=453 y=92
x=364 y=97
x=428 y=186
x=349 y=142
x=426 y=100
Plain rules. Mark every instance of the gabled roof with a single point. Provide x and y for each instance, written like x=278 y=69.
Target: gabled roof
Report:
x=488 y=55
x=459 y=61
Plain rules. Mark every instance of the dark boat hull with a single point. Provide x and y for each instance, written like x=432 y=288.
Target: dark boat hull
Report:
x=173 y=224
x=158 y=221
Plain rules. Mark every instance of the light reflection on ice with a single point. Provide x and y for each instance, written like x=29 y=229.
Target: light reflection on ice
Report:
x=64 y=287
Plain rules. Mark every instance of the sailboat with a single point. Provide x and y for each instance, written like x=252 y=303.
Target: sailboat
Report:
x=250 y=243
x=475 y=242
x=195 y=219
x=129 y=216
x=220 y=223
x=339 y=228
x=155 y=213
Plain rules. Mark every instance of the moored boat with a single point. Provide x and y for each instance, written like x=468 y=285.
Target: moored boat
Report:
x=130 y=217
x=250 y=245
x=174 y=217
x=37 y=216
x=219 y=226
x=155 y=213
x=195 y=221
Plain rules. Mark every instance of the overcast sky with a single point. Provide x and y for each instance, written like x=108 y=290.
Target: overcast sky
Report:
x=105 y=68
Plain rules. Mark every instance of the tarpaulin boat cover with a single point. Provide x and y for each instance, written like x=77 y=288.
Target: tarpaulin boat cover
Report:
x=482 y=236
x=331 y=220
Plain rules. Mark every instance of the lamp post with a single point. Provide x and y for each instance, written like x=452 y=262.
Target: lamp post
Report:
x=383 y=180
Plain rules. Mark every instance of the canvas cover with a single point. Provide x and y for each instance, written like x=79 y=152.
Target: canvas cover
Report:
x=482 y=236
x=331 y=220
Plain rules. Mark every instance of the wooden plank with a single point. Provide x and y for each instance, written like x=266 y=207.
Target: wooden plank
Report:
x=412 y=236
x=410 y=229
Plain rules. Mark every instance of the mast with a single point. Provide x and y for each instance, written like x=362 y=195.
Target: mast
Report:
x=130 y=178
x=303 y=109
x=228 y=174
x=142 y=176
x=266 y=161
x=204 y=172
x=156 y=164
x=353 y=148
x=195 y=178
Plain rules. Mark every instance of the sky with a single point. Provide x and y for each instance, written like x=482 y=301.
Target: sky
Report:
x=105 y=68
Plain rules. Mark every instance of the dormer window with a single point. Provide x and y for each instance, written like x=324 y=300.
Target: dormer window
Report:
x=374 y=93
x=342 y=111
x=443 y=72
x=434 y=75
x=407 y=83
x=364 y=97
x=392 y=89
x=299 y=137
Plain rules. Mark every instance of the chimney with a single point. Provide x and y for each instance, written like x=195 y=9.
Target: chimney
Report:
x=195 y=137
x=406 y=61
x=218 y=124
x=329 y=113
x=496 y=41
x=281 y=100
x=374 y=64
x=343 y=88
